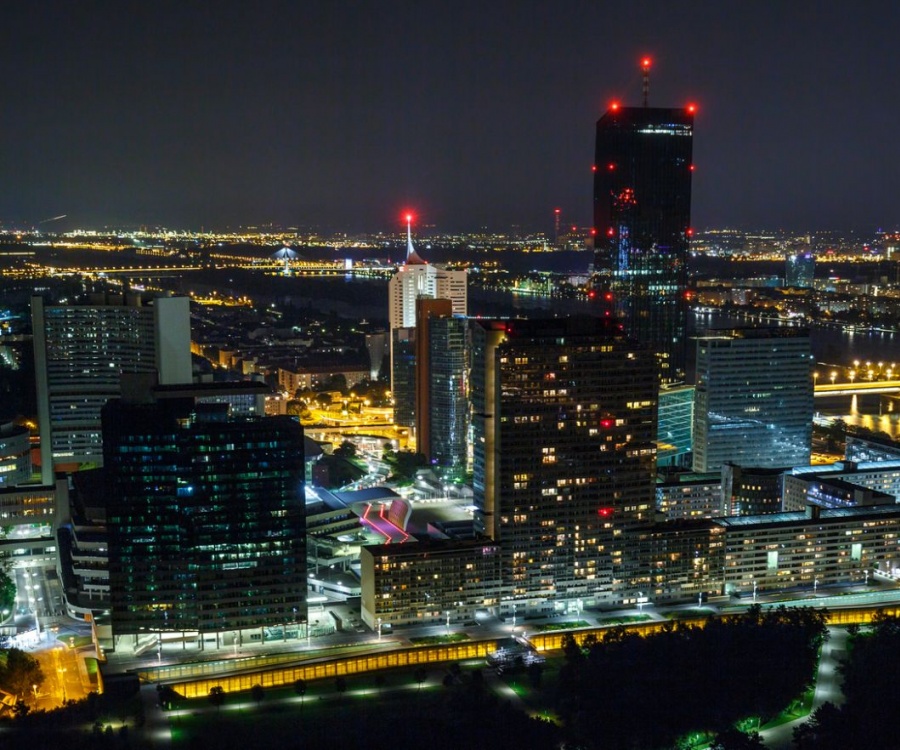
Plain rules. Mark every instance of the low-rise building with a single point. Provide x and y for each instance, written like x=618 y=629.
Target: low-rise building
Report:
x=431 y=581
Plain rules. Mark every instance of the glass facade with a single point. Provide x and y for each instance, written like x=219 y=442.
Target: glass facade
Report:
x=675 y=427
x=403 y=375
x=800 y=270
x=205 y=516
x=754 y=398
x=448 y=397
x=642 y=217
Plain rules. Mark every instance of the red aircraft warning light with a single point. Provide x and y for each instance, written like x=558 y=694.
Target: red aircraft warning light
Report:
x=692 y=108
x=614 y=106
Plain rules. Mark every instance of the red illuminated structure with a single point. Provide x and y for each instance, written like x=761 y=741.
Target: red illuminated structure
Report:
x=642 y=218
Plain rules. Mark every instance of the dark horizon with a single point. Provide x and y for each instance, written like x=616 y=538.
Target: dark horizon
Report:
x=192 y=115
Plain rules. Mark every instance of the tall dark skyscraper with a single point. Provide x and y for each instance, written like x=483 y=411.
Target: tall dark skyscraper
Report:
x=564 y=416
x=642 y=219
x=205 y=516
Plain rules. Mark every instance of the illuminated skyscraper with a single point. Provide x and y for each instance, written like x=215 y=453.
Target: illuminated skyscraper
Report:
x=564 y=419
x=642 y=219
x=81 y=352
x=414 y=280
x=442 y=407
x=754 y=398
x=799 y=270
x=205 y=516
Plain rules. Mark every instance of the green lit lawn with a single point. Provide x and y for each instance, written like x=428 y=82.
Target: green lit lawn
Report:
x=437 y=640
x=623 y=619
x=565 y=625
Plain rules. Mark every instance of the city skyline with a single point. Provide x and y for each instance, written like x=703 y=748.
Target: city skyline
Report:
x=327 y=115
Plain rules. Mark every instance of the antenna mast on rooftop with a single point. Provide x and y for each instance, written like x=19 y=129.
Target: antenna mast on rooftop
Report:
x=645 y=70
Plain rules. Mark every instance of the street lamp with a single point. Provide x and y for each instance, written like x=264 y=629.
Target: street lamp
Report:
x=754 y=592
x=448 y=621
x=378 y=625
x=833 y=376
x=514 y=617
x=815 y=377
x=640 y=601
x=867 y=576
x=852 y=375
x=815 y=584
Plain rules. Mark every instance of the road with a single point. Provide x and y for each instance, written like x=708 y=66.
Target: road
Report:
x=828 y=688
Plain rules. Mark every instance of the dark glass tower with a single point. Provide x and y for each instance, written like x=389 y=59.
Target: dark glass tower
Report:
x=642 y=218
x=206 y=518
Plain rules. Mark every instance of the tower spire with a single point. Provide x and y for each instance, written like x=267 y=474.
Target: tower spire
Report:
x=645 y=70
x=410 y=250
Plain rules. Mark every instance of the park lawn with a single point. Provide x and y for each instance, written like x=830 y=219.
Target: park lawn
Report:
x=324 y=718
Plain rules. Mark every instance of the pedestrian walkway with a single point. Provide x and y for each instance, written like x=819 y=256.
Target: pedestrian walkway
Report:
x=828 y=688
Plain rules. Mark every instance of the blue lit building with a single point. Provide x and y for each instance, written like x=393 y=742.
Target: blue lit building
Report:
x=642 y=220
x=442 y=407
x=800 y=270
x=754 y=398
x=675 y=426
x=205 y=515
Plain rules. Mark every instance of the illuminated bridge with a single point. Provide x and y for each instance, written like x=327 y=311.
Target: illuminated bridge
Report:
x=854 y=389
x=195 y=680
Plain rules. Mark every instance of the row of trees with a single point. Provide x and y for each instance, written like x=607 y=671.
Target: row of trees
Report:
x=630 y=691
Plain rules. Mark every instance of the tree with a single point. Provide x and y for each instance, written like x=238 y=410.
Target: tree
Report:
x=300 y=689
x=340 y=684
x=345 y=450
x=535 y=673
x=7 y=592
x=21 y=672
x=405 y=463
x=734 y=739
x=257 y=693
x=217 y=696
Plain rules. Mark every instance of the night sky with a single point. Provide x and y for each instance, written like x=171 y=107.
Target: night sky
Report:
x=338 y=115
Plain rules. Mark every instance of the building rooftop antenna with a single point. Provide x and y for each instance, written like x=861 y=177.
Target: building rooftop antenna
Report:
x=645 y=70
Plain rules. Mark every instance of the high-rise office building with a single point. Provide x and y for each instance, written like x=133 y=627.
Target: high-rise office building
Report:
x=799 y=270
x=642 y=220
x=442 y=406
x=564 y=420
x=754 y=398
x=414 y=280
x=205 y=516
x=81 y=352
